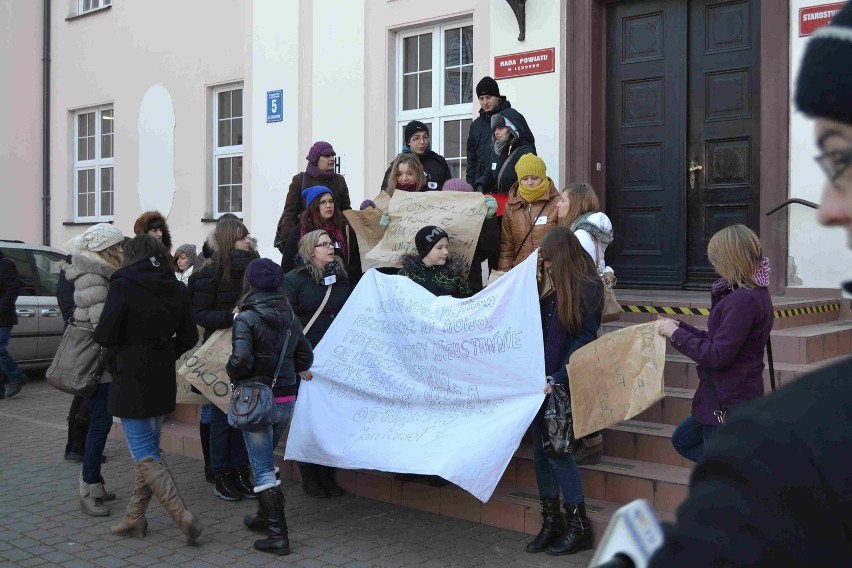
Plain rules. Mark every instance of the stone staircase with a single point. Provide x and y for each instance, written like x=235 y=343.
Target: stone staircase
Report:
x=638 y=462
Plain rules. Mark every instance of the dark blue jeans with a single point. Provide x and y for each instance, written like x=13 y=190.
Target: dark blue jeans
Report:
x=8 y=366
x=553 y=474
x=100 y=423
x=689 y=438
x=227 y=446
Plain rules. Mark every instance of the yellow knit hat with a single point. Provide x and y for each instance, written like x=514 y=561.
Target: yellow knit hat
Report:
x=531 y=165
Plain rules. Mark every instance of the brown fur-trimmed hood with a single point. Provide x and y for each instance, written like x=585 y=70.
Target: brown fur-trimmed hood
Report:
x=143 y=223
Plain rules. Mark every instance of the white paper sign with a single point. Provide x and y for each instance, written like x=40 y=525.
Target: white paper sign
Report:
x=407 y=382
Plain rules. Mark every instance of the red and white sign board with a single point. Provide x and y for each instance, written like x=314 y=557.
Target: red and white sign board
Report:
x=813 y=18
x=526 y=63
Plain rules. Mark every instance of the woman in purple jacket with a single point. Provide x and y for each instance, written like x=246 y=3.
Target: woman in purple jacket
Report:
x=730 y=352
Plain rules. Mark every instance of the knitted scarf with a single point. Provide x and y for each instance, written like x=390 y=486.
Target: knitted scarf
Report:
x=408 y=186
x=317 y=173
x=532 y=194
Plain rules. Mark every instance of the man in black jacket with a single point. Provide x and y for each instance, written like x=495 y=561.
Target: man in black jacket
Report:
x=10 y=284
x=774 y=487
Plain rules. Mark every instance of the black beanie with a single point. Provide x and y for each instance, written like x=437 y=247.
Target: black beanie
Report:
x=413 y=128
x=487 y=86
x=427 y=238
x=824 y=86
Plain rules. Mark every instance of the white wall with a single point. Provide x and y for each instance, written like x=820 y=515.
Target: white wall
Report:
x=21 y=120
x=537 y=97
x=817 y=254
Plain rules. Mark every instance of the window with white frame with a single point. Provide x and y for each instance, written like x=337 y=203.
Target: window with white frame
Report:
x=228 y=150
x=435 y=86
x=84 y=6
x=94 y=178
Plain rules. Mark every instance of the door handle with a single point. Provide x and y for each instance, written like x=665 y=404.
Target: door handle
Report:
x=51 y=313
x=25 y=313
x=693 y=167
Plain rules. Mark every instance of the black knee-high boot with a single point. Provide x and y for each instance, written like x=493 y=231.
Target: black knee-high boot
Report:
x=271 y=502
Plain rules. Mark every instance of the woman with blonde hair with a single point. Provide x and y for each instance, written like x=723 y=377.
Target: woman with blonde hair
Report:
x=730 y=353
x=317 y=289
x=95 y=256
x=579 y=210
x=406 y=173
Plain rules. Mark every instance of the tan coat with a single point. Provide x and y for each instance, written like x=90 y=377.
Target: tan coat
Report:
x=518 y=219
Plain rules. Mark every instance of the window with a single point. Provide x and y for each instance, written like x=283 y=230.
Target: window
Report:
x=48 y=266
x=25 y=270
x=84 y=6
x=228 y=150
x=435 y=86
x=94 y=178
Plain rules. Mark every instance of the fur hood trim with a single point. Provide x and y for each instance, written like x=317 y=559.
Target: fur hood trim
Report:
x=140 y=227
x=87 y=263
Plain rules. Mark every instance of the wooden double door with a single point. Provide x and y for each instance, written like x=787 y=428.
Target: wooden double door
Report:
x=683 y=124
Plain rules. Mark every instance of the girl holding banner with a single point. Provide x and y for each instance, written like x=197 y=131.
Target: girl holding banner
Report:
x=570 y=317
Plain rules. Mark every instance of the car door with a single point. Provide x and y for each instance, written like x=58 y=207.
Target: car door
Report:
x=24 y=340
x=50 y=323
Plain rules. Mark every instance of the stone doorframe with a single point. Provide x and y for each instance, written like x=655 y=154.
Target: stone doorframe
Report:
x=585 y=123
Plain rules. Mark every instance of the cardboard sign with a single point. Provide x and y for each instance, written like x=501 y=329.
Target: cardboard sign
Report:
x=813 y=18
x=616 y=377
x=205 y=369
x=367 y=229
x=459 y=214
x=408 y=382
x=526 y=63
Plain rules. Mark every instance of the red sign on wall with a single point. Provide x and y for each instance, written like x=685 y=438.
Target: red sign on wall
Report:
x=813 y=18
x=526 y=63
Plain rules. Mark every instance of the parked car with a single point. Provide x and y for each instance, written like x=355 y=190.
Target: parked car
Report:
x=36 y=337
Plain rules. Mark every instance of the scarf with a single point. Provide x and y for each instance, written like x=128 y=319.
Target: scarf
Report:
x=533 y=194
x=337 y=236
x=582 y=223
x=501 y=145
x=319 y=174
x=407 y=186
x=331 y=269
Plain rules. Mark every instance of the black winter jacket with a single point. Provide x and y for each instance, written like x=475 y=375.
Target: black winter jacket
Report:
x=434 y=166
x=491 y=180
x=65 y=296
x=443 y=280
x=10 y=285
x=479 y=143
x=305 y=296
x=147 y=322
x=352 y=259
x=259 y=333
x=213 y=297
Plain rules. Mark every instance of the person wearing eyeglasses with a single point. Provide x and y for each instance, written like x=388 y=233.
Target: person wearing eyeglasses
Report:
x=774 y=487
x=419 y=142
x=322 y=213
x=317 y=289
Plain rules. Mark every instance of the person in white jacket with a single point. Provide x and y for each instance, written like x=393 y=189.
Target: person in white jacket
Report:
x=578 y=209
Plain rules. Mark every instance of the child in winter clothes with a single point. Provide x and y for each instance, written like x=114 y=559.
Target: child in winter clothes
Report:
x=266 y=325
x=430 y=266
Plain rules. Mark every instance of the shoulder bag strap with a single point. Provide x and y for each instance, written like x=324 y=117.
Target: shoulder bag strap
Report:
x=319 y=309
x=771 y=364
x=284 y=349
x=503 y=167
x=532 y=226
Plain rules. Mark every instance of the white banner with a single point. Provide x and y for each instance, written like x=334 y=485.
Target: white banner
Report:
x=410 y=383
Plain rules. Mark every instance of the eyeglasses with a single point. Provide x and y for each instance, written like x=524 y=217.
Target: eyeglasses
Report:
x=327 y=202
x=420 y=139
x=325 y=245
x=835 y=163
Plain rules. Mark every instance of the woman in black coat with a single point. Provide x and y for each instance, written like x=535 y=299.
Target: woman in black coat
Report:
x=215 y=293
x=147 y=323
x=268 y=346
x=320 y=273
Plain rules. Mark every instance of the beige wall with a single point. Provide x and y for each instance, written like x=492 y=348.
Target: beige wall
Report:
x=114 y=57
x=21 y=120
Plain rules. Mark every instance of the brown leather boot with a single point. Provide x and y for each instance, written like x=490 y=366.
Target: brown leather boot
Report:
x=134 y=522
x=159 y=479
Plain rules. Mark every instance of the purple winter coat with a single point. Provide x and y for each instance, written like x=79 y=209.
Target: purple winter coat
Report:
x=732 y=347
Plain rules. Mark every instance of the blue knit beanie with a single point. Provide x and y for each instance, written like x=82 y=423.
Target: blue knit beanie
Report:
x=313 y=192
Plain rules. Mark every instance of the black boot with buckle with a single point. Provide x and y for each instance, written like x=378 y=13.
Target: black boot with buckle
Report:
x=271 y=502
x=578 y=532
x=552 y=526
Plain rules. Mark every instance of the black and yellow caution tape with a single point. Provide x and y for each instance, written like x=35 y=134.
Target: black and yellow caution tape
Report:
x=684 y=311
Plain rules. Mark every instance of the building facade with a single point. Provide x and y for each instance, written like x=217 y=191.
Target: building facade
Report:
x=677 y=111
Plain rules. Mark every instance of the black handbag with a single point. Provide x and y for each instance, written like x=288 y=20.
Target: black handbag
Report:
x=720 y=413
x=252 y=406
x=558 y=422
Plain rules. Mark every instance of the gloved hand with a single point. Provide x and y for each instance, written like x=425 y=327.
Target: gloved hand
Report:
x=491 y=203
x=385 y=220
x=366 y=204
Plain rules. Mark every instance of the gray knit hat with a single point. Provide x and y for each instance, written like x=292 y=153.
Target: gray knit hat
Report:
x=190 y=251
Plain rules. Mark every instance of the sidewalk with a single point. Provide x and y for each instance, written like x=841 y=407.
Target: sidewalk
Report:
x=41 y=523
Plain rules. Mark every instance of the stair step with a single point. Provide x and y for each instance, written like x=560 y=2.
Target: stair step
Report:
x=643 y=441
x=672 y=409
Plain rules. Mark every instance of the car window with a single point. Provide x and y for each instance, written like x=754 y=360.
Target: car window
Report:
x=25 y=271
x=47 y=269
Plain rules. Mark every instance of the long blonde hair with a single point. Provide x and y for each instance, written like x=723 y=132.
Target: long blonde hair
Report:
x=413 y=162
x=735 y=252
x=581 y=199
x=112 y=255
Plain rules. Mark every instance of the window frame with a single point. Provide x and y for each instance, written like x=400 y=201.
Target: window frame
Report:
x=79 y=5
x=97 y=164
x=232 y=151
x=439 y=113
